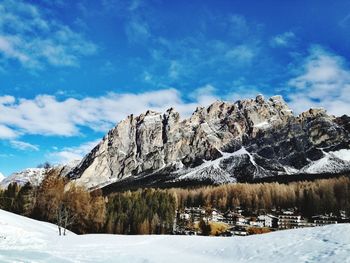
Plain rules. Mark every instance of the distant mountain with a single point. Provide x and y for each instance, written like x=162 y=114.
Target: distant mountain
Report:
x=35 y=175
x=32 y=175
x=225 y=142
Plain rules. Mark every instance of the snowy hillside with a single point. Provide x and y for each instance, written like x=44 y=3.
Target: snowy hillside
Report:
x=23 y=239
x=332 y=162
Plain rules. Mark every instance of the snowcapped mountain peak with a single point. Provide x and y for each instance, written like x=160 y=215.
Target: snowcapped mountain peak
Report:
x=32 y=175
x=35 y=175
x=224 y=142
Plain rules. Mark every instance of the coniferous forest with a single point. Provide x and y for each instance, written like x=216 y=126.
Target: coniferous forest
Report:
x=308 y=197
x=152 y=211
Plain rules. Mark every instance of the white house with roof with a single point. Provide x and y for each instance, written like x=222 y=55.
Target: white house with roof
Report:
x=268 y=220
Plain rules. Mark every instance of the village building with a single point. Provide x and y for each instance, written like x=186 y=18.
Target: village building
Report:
x=288 y=220
x=268 y=220
x=321 y=220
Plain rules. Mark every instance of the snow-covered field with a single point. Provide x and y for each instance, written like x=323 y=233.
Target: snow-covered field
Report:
x=27 y=240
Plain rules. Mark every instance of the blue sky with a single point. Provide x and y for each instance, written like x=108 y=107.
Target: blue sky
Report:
x=70 y=70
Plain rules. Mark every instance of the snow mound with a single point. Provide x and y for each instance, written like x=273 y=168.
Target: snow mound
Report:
x=27 y=240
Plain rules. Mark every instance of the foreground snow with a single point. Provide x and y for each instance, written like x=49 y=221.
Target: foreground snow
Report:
x=27 y=240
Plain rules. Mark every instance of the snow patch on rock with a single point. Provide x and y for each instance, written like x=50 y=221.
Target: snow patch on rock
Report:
x=212 y=169
x=343 y=154
x=330 y=163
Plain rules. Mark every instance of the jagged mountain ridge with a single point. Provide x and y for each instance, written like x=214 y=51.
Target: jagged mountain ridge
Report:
x=225 y=142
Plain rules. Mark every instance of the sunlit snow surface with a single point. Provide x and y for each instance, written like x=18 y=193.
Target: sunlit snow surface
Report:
x=26 y=240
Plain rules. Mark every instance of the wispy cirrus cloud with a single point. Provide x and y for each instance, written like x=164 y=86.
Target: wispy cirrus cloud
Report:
x=24 y=146
x=137 y=30
x=135 y=15
x=32 y=38
x=7 y=133
x=235 y=46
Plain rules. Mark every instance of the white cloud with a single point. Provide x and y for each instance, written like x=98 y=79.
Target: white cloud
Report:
x=24 y=146
x=28 y=36
x=204 y=95
x=324 y=81
x=7 y=99
x=7 y=47
x=6 y=132
x=283 y=40
x=47 y=115
x=69 y=154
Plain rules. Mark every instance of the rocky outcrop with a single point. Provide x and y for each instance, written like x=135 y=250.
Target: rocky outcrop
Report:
x=225 y=142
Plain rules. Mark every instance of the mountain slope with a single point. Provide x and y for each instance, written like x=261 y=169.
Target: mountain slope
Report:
x=26 y=240
x=225 y=142
x=34 y=176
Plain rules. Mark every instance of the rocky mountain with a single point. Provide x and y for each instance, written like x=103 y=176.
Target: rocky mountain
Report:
x=34 y=176
x=225 y=142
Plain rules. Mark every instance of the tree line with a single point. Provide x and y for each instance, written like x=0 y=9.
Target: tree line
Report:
x=69 y=206
x=309 y=197
x=56 y=200
x=148 y=211
x=152 y=211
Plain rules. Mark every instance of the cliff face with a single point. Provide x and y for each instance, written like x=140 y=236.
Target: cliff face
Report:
x=222 y=143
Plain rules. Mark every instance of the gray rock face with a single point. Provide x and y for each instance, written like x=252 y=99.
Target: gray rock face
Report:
x=225 y=142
